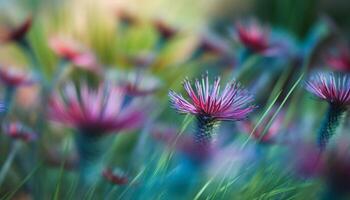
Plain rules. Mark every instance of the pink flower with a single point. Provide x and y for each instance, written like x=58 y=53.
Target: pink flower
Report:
x=115 y=177
x=270 y=136
x=141 y=60
x=17 y=33
x=94 y=112
x=206 y=100
x=17 y=130
x=12 y=77
x=213 y=45
x=331 y=87
x=255 y=38
x=340 y=59
x=75 y=53
x=137 y=84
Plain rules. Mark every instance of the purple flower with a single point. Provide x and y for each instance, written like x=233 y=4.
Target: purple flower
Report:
x=17 y=130
x=75 y=53
x=116 y=177
x=94 y=112
x=331 y=87
x=340 y=59
x=256 y=38
x=210 y=106
x=335 y=89
x=12 y=77
x=232 y=104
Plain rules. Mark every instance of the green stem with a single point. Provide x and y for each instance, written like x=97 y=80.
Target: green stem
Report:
x=329 y=125
x=10 y=157
x=90 y=149
x=205 y=131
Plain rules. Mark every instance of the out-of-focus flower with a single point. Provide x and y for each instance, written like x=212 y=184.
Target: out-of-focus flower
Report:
x=166 y=32
x=213 y=45
x=116 y=176
x=12 y=77
x=339 y=60
x=269 y=137
x=142 y=60
x=137 y=84
x=94 y=112
x=16 y=34
x=126 y=18
x=17 y=130
x=335 y=89
x=255 y=38
x=306 y=160
x=75 y=53
x=210 y=107
x=332 y=167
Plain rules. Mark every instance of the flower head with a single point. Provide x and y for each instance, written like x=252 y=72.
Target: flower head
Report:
x=165 y=30
x=206 y=100
x=116 y=176
x=125 y=17
x=17 y=33
x=331 y=87
x=136 y=84
x=74 y=52
x=271 y=134
x=213 y=45
x=92 y=111
x=13 y=77
x=17 y=130
x=255 y=38
x=340 y=59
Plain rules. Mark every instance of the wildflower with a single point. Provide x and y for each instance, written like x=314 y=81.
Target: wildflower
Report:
x=13 y=78
x=335 y=89
x=142 y=60
x=211 y=45
x=255 y=38
x=210 y=107
x=116 y=177
x=73 y=52
x=136 y=84
x=94 y=112
x=17 y=34
x=18 y=131
x=166 y=32
x=339 y=60
x=270 y=135
x=126 y=18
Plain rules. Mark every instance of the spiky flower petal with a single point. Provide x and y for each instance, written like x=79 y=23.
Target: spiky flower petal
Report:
x=94 y=111
x=232 y=104
x=331 y=87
